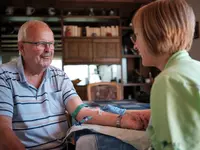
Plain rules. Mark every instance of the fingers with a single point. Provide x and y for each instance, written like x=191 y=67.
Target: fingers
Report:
x=132 y=122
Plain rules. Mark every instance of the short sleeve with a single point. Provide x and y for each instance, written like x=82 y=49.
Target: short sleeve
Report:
x=6 y=99
x=175 y=114
x=68 y=89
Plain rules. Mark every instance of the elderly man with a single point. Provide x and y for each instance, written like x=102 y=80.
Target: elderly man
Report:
x=34 y=96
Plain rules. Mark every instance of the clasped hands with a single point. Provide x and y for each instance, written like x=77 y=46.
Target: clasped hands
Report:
x=134 y=120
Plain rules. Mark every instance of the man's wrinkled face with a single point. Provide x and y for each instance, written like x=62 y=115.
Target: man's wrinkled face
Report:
x=38 y=47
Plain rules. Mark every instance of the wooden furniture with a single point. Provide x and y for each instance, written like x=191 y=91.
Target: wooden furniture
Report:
x=137 y=79
x=98 y=50
x=104 y=90
x=89 y=50
x=85 y=39
x=82 y=91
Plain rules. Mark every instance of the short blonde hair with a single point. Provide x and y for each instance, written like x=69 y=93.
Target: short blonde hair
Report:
x=22 y=34
x=166 y=25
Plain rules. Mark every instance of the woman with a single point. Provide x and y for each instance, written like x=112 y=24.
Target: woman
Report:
x=164 y=32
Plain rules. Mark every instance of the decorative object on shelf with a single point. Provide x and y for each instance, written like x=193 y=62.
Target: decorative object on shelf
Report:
x=94 y=35
x=147 y=80
x=30 y=10
x=109 y=34
x=51 y=11
x=103 y=12
x=9 y=10
x=135 y=52
x=125 y=49
x=68 y=32
x=112 y=12
x=137 y=77
x=69 y=13
x=7 y=28
x=133 y=38
x=83 y=31
x=91 y=12
x=71 y=30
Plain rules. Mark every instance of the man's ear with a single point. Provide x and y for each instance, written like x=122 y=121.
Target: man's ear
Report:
x=21 y=47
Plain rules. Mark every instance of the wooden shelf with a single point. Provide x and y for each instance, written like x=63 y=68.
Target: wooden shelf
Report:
x=97 y=17
x=137 y=84
x=131 y=56
x=97 y=37
x=126 y=28
x=27 y=18
x=90 y=18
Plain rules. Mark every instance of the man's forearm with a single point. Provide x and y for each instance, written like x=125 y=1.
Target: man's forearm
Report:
x=98 y=117
x=135 y=119
x=8 y=140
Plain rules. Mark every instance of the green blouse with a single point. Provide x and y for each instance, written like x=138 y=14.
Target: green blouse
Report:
x=175 y=105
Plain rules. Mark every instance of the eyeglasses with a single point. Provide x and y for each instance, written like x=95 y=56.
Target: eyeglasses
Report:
x=133 y=38
x=42 y=45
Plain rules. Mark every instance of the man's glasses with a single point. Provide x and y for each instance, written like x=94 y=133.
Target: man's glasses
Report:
x=42 y=45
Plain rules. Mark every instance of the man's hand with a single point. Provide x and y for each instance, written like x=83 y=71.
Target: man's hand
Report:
x=137 y=120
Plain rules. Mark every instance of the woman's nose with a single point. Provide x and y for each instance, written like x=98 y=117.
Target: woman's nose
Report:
x=135 y=46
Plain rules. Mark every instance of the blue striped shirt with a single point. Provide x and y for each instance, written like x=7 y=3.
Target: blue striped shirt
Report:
x=38 y=114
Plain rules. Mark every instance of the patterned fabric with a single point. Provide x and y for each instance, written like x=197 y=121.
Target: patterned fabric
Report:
x=113 y=109
x=102 y=92
x=123 y=104
x=175 y=105
x=38 y=115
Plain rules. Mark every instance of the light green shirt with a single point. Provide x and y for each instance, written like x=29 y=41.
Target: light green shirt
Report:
x=175 y=105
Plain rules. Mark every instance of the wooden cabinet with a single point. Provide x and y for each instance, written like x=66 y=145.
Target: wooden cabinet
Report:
x=92 y=51
x=78 y=51
x=106 y=51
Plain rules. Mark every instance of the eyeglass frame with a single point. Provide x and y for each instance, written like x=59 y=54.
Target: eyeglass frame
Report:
x=43 y=43
x=133 y=38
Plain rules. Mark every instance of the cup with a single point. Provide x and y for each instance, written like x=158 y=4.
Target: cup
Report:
x=30 y=10
x=51 y=11
x=9 y=10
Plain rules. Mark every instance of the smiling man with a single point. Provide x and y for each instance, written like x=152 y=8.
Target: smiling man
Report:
x=35 y=95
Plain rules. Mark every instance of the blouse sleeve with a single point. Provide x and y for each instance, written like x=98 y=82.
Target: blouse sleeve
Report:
x=175 y=110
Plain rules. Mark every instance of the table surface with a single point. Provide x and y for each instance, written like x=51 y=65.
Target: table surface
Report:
x=127 y=104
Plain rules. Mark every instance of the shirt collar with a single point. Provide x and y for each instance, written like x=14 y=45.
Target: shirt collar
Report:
x=20 y=68
x=182 y=54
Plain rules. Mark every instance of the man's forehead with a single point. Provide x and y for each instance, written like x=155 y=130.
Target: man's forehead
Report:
x=39 y=27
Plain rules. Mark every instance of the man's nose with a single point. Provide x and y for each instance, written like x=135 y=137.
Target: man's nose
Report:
x=47 y=47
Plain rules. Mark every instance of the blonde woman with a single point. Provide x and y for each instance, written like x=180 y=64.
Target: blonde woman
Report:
x=164 y=32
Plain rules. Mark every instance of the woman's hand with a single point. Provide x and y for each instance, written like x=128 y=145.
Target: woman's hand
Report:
x=137 y=120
